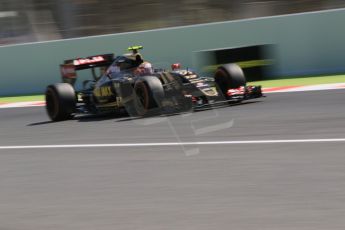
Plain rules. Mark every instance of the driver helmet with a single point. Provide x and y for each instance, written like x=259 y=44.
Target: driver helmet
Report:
x=145 y=68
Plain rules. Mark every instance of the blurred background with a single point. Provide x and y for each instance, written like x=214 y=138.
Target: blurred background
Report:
x=43 y=20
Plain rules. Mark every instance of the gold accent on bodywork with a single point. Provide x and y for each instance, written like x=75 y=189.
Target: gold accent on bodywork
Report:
x=212 y=92
x=103 y=91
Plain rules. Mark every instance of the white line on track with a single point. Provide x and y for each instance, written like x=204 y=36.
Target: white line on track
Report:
x=172 y=144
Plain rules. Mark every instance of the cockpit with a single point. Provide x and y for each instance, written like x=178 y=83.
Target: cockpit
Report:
x=128 y=62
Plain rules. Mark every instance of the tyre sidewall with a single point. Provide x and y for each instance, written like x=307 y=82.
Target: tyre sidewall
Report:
x=60 y=101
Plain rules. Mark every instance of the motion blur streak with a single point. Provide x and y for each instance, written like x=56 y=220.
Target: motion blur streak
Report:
x=42 y=20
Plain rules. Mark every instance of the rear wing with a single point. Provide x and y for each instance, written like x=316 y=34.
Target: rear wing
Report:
x=70 y=67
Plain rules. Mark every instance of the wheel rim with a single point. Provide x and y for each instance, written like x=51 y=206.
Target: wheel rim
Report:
x=141 y=101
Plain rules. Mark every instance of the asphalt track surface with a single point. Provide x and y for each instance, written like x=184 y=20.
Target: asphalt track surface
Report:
x=220 y=186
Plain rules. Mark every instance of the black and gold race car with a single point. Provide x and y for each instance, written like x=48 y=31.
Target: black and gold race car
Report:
x=129 y=83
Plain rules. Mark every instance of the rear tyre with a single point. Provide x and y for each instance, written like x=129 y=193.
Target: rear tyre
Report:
x=60 y=101
x=229 y=76
x=148 y=94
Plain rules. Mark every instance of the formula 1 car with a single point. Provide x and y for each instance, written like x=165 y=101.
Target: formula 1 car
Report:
x=128 y=83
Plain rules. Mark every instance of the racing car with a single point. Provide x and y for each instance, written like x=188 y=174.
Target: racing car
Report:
x=129 y=83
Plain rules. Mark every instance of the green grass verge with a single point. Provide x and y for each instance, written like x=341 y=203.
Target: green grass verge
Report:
x=301 y=81
x=21 y=99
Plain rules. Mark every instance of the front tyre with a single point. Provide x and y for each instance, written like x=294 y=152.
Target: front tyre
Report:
x=229 y=76
x=148 y=94
x=60 y=101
